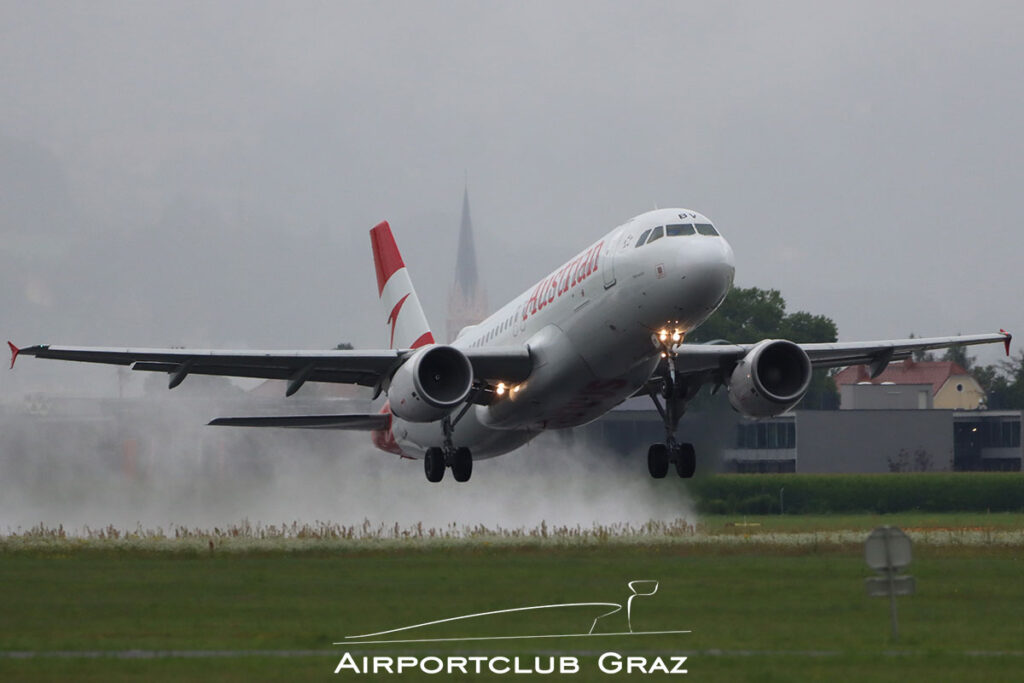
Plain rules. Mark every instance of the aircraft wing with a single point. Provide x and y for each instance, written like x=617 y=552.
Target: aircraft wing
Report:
x=713 y=362
x=838 y=354
x=369 y=368
x=705 y=357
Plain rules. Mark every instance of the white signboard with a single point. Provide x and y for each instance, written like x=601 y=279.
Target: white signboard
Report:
x=887 y=548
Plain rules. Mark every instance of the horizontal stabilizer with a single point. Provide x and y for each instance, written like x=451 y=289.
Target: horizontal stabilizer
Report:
x=359 y=422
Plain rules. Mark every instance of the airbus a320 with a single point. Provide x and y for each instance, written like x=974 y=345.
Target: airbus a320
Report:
x=607 y=325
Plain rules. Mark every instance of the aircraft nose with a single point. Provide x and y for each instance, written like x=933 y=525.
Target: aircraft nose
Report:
x=710 y=273
x=726 y=264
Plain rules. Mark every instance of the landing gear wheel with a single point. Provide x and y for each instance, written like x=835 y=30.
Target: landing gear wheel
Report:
x=657 y=460
x=433 y=464
x=686 y=460
x=462 y=464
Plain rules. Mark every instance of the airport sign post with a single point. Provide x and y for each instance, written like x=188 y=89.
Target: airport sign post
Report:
x=887 y=551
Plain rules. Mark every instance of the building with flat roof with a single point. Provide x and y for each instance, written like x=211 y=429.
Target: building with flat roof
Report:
x=823 y=441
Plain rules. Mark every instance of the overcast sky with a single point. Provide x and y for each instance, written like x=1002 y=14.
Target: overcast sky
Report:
x=205 y=174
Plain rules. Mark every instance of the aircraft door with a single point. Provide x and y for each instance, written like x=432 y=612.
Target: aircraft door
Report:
x=608 y=262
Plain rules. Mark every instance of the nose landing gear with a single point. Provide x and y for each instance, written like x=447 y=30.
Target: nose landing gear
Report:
x=661 y=455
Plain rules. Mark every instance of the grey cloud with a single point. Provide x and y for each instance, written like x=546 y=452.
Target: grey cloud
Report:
x=205 y=174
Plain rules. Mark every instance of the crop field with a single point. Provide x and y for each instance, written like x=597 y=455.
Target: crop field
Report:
x=771 y=598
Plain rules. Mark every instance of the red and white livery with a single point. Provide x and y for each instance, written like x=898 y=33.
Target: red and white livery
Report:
x=606 y=325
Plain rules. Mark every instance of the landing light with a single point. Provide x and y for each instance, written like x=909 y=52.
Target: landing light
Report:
x=663 y=335
x=676 y=336
x=500 y=389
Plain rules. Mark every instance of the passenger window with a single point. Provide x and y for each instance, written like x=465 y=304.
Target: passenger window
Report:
x=657 y=234
x=643 y=238
x=707 y=229
x=680 y=229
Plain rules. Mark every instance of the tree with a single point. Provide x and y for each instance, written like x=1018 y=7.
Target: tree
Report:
x=751 y=314
x=1003 y=383
x=922 y=356
x=958 y=355
x=747 y=314
x=803 y=328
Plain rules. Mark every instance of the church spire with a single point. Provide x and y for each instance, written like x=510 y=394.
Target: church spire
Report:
x=466 y=278
x=467 y=300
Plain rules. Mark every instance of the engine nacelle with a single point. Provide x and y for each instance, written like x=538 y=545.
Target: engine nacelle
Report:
x=770 y=379
x=431 y=384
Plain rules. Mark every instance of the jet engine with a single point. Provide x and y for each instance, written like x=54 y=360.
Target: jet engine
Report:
x=770 y=379
x=430 y=384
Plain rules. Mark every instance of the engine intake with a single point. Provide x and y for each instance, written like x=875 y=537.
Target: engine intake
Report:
x=430 y=384
x=770 y=379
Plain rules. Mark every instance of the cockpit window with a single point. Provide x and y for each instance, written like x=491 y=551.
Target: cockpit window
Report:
x=643 y=237
x=657 y=234
x=679 y=229
x=707 y=229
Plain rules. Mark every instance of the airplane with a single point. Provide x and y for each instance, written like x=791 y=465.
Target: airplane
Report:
x=608 y=324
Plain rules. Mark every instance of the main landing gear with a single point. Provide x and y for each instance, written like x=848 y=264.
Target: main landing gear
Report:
x=438 y=458
x=661 y=455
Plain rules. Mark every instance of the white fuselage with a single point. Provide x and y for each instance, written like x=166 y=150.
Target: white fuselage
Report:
x=591 y=328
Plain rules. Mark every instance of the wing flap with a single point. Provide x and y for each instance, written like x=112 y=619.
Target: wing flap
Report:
x=347 y=367
x=318 y=374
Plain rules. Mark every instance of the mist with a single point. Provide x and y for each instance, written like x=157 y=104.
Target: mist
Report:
x=156 y=465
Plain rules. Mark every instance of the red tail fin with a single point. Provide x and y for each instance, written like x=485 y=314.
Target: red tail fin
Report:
x=386 y=257
x=407 y=325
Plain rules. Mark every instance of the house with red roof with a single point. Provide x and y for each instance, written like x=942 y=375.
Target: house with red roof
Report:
x=943 y=385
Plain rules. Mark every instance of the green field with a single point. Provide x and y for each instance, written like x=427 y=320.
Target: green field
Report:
x=818 y=494
x=759 y=610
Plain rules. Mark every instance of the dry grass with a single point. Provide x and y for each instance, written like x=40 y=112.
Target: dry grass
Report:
x=329 y=536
